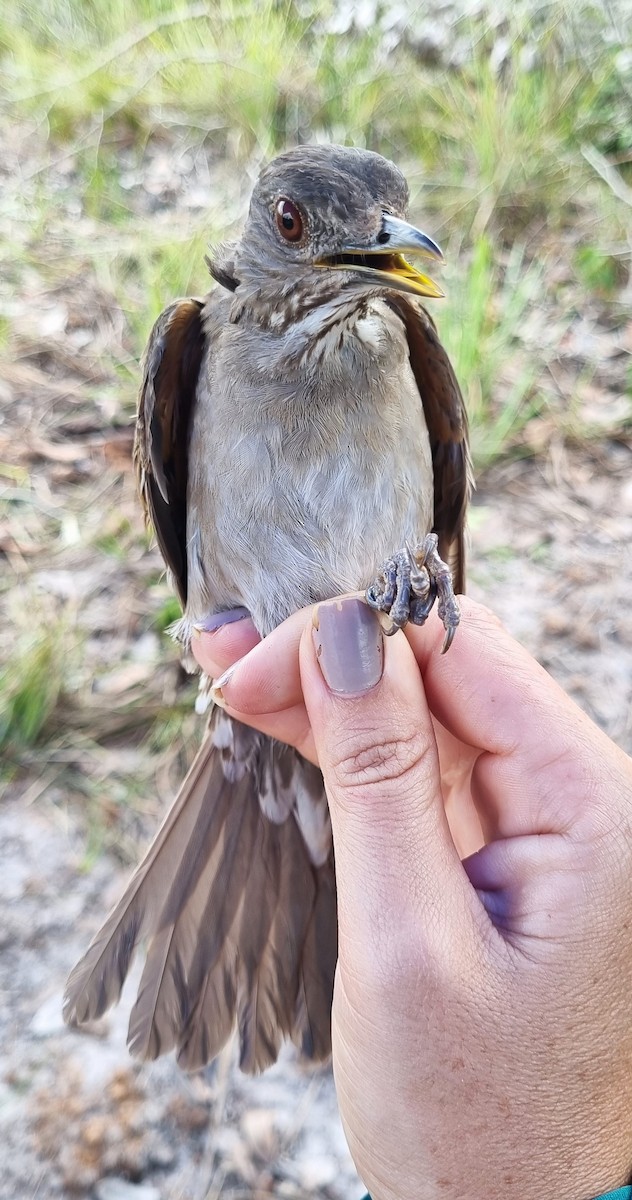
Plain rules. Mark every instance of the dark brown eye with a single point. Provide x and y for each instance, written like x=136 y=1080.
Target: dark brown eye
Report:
x=289 y=221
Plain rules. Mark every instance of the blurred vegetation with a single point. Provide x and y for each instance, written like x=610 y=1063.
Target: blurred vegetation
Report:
x=490 y=127
x=30 y=685
x=514 y=129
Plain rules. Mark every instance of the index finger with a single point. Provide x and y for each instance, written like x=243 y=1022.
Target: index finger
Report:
x=539 y=770
x=217 y=648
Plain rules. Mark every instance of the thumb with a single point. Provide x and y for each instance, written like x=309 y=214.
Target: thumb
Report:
x=398 y=873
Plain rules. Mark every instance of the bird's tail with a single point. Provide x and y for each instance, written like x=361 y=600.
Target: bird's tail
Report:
x=236 y=898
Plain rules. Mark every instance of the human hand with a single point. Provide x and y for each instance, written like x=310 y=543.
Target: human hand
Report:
x=481 y=1028
x=271 y=692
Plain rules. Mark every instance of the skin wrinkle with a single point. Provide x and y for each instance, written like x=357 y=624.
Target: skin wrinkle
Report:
x=366 y=772
x=369 y=766
x=612 y=843
x=491 y=773
x=599 y=821
x=552 y=882
x=554 y=772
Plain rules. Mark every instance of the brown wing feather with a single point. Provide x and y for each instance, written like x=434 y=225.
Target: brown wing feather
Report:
x=171 y=367
x=446 y=419
x=317 y=965
x=240 y=923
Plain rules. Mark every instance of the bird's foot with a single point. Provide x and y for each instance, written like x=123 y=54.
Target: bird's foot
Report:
x=408 y=585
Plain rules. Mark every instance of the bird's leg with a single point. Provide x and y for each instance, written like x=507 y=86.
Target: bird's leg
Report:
x=408 y=585
x=441 y=579
x=391 y=591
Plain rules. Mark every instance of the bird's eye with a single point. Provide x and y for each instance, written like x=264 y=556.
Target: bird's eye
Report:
x=289 y=221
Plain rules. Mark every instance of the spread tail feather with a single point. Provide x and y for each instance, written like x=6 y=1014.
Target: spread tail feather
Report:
x=238 y=910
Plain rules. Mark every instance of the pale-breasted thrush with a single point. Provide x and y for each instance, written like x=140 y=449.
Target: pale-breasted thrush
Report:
x=296 y=428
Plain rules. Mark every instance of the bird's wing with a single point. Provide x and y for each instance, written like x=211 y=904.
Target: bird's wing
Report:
x=447 y=426
x=171 y=367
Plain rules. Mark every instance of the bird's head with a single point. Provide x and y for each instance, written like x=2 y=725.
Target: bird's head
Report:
x=330 y=219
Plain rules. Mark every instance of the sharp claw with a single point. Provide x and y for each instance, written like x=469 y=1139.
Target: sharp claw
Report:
x=448 y=639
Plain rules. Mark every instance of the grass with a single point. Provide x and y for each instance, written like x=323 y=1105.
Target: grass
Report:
x=493 y=147
x=133 y=132
x=30 y=685
x=493 y=355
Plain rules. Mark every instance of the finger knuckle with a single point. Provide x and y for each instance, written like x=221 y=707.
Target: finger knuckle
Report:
x=362 y=762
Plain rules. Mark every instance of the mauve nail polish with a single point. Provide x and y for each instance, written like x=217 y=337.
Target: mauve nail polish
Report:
x=215 y=621
x=349 y=646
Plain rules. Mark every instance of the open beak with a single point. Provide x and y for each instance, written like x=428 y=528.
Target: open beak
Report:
x=384 y=262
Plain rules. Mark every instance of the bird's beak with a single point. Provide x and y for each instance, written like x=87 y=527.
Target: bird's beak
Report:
x=384 y=262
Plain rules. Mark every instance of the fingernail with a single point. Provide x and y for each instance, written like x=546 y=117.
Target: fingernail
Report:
x=349 y=646
x=220 y=682
x=217 y=696
x=215 y=621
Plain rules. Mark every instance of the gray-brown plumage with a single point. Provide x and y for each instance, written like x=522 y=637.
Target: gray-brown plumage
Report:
x=295 y=428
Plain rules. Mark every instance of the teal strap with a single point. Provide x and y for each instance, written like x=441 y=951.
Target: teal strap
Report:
x=624 y=1193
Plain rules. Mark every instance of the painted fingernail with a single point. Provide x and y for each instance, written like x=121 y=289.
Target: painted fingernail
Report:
x=349 y=646
x=215 y=621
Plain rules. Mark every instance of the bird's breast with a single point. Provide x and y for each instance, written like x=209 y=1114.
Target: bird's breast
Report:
x=305 y=486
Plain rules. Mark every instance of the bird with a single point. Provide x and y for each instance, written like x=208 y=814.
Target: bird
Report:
x=297 y=427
